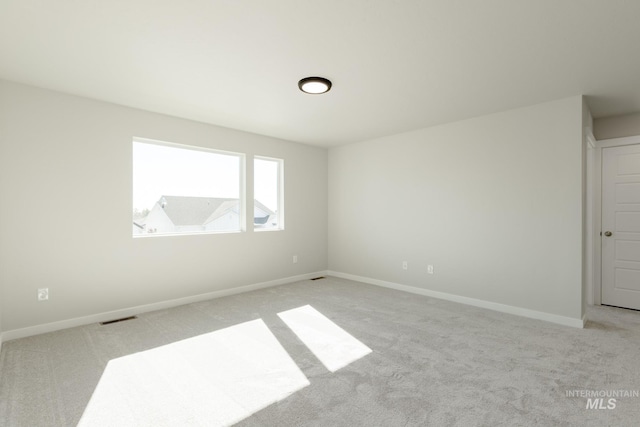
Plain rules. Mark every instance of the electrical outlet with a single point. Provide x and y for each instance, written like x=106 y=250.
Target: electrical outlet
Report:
x=43 y=294
x=295 y=259
x=405 y=265
x=430 y=269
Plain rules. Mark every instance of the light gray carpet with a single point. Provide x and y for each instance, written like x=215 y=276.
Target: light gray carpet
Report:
x=432 y=362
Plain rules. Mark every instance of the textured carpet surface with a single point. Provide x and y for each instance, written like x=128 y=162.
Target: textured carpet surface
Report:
x=432 y=362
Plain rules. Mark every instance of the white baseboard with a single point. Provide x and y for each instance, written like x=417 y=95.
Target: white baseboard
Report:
x=126 y=312
x=503 y=308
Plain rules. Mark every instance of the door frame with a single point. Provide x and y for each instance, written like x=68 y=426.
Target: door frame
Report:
x=596 y=227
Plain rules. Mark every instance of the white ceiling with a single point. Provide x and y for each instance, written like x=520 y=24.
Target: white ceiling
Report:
x=396 y=65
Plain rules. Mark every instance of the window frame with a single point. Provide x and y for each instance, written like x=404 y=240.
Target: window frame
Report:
x=280 y=209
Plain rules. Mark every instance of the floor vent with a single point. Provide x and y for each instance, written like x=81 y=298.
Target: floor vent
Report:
x=318 y=278
x=108 y=322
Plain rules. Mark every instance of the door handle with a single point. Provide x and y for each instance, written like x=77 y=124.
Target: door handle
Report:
x=608 y=233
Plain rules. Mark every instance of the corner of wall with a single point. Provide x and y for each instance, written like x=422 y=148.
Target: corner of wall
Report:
x=587 y=202
x=2 y=97
x=587 y=118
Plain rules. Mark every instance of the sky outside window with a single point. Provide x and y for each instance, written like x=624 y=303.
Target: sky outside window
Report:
x=266 y=186
x=165 y=170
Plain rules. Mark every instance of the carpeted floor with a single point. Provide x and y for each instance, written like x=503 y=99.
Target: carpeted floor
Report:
x=432 y=362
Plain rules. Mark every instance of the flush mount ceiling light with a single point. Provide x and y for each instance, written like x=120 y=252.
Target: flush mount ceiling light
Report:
x=314 y=85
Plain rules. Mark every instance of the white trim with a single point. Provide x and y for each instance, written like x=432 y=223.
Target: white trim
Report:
x=503 y=308
x=280 y=185
x=242 y=196
x=126 y=312
x=597 y=227
x=597 y=209
x=617 y=142
x=589 y=217
x=591 y=140
x=0 y=341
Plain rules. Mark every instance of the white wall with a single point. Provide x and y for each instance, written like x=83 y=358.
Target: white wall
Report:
x=65 y=216
x=494 y=203
x=617 y=126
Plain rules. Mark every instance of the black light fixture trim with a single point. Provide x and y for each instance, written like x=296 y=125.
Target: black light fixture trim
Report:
x=318 y=80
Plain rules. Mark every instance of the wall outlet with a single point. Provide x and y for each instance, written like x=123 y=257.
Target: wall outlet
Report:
x=43 y=294
x=430 y=269
x=405 y=265
x=295 y=259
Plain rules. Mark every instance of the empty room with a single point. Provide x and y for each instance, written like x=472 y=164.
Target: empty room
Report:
x=345 y=213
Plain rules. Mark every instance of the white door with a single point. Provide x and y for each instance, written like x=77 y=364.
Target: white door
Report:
x=621 y=226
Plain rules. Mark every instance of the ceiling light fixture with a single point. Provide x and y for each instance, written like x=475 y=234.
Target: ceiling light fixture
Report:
x=314 y=85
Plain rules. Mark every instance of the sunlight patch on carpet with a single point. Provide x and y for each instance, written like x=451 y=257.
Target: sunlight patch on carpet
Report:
x=331 y=344
x=215 y=379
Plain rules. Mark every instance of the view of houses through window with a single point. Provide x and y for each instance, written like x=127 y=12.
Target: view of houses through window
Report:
x=182 y=190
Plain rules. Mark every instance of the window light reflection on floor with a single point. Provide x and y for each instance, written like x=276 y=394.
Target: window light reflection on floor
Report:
x=331 y=344
x=217 y=378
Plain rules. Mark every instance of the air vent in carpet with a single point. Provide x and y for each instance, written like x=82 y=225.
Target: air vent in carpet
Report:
x=108 y=322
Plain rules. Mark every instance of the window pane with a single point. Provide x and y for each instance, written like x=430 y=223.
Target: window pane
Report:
x=182 y=190
x=267 y=192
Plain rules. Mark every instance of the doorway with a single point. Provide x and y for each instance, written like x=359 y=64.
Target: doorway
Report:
x=618 y=238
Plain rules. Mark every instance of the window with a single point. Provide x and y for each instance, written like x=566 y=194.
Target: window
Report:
x=267 y=194
x=179 y=189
